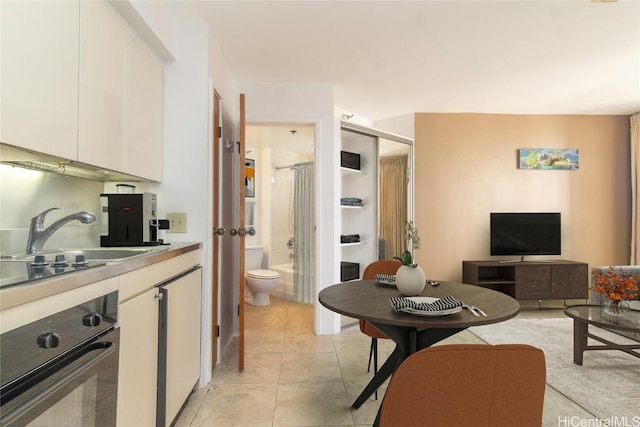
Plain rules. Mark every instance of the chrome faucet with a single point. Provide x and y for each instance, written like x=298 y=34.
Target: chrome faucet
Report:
x=38 y=234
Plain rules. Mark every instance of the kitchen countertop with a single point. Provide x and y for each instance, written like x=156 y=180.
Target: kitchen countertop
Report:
x=27 y=292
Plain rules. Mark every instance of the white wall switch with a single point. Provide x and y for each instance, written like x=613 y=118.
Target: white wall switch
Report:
x=177 y=222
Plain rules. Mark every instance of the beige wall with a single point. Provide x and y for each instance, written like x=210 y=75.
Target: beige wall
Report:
x=467 y=167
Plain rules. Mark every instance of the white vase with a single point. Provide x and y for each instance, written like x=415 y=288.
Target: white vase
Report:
x=410 y=281
x=617 y=308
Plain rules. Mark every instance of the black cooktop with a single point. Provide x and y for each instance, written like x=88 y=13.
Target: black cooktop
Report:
x=19 y=272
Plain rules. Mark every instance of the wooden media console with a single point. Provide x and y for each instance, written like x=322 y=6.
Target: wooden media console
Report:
x=556 y=279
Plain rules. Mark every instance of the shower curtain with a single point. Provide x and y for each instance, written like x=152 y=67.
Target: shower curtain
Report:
x=304 y=212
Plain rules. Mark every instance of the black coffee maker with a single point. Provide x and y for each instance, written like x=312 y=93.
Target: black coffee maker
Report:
x=129 y=219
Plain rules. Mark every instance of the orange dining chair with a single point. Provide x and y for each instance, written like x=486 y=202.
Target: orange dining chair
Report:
x=467 y=384
x=376 y=267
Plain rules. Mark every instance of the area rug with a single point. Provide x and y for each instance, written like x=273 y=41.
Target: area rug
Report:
x=608 y=382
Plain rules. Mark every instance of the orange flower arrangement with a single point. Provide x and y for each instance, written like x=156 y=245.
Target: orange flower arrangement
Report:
x=615 y=285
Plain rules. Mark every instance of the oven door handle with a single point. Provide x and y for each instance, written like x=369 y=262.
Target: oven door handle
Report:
x=67 y=369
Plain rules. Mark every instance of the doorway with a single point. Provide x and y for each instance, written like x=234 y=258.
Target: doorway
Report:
x=283 y=204
x=224 y=217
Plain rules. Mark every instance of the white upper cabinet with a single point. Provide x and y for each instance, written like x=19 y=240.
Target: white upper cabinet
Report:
x=121 y=96
x=39 y=76
x=144 y=153
x=77 y=83
x=105 y=68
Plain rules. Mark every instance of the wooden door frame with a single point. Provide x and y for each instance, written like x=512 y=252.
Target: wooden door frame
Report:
x=215 y=145
x=241 y=226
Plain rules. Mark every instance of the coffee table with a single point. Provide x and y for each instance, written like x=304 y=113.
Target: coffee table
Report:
x=584 y=315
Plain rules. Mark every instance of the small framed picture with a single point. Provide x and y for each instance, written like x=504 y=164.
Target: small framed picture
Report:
x=549 y=158
x=250 y=178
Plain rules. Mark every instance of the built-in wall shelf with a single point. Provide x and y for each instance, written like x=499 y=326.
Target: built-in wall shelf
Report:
x=359 y=191
x=352 y=244
x=347 y=171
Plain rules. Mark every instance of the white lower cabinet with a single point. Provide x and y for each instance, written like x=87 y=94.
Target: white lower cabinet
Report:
x=159 y=312
x=138 y=366
x=180 y=348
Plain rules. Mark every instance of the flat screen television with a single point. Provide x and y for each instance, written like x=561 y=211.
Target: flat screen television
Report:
x=525 y=233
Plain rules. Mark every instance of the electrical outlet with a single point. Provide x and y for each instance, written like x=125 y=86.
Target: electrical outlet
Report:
x=177 y=222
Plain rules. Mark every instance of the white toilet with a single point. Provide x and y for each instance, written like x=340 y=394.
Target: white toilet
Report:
x=259 y=282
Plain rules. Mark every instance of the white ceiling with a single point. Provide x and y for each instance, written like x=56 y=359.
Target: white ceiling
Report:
x=300 y=139
x=390 y=58
x=281 y=137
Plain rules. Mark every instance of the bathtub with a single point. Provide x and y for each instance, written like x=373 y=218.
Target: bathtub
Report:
x=285 y=286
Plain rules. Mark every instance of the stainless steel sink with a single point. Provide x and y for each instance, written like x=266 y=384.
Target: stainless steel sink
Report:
x=104 y=254
x=90 y=254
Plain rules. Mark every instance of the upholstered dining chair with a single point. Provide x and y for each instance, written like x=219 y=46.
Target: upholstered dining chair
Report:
x=376 y=267
x=467 y=384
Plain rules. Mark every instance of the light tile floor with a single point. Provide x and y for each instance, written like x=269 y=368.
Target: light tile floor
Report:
x=294 y=378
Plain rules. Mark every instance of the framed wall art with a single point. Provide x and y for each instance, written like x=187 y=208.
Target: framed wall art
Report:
x=250 y=178
x=549 y=158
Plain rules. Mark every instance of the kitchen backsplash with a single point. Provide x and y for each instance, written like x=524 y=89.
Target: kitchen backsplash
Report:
x=25 y=193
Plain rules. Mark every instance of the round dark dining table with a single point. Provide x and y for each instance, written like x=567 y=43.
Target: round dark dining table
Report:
x=370 y=301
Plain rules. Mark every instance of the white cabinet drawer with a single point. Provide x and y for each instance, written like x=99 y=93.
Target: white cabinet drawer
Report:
x=138 y=281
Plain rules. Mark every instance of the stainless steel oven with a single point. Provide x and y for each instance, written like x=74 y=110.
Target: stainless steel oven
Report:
x=62 y=369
